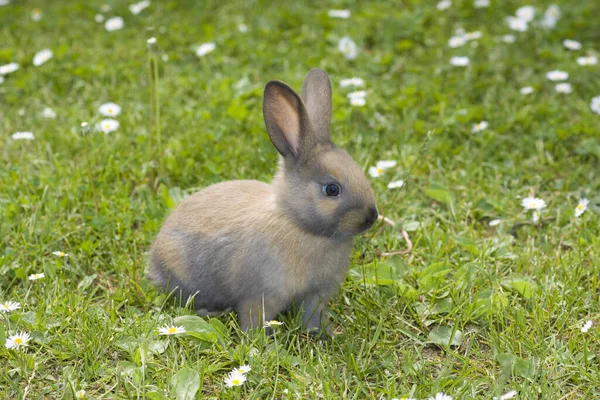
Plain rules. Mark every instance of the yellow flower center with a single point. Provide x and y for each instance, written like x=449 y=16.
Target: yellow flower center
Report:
x=172 y=329
x=110 y=110
x=235 y=382
x=380 y=170
x=18 y=341
x=580 y=206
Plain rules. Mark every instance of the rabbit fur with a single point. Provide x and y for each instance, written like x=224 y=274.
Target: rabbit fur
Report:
x=260 y=248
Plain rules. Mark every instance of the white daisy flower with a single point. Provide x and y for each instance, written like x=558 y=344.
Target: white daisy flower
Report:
x=352 y=82
x=235 y=379
x=526 y=90
x=457 y=41
x=22 y=136
x=99 y=18
x=80 y=394
x=551 y=17
x=475 y=35
x=242 y=28
x=42 y=56
x=509 y=38
x=171 y=330
x=481 y=3
x=244 y=369
x=344 y=14
x=588 y=60
x=4 y=2
x=114 y=24
x=137 y=8
x=533 y=203
x=444 y=5
x=460 y=61
x=358 y=101
x=516 y=24
x=480 y=127
x=571 y=44
x=587 y=326
x=8 y=68
x=557 y=75
x=272 y=323
x=494 y=222
x=507 y=396
x=380 y=167
x=563 y=88
x=441 y=396
x=60 y=254
x=108 y=125
x=110 y=109
x=35 y=277
x=9 y=306
x=525 y=13
x=581 y=207
x=395 y=184
x=17 y=341
x=36 y=14
x=348 y=48
x=205 y=48
x=47 y=112
x=595 y=104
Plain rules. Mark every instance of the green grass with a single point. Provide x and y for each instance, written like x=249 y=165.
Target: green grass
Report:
x=519 y=300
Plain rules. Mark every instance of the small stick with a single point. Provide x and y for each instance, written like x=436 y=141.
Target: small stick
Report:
x=402 y=232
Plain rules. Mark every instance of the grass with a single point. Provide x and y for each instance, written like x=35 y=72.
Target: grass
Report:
x=518 y=294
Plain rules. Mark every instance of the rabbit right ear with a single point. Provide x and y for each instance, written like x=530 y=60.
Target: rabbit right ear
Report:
x=286 y=118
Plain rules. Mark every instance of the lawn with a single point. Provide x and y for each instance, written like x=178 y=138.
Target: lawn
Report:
x=493 y=298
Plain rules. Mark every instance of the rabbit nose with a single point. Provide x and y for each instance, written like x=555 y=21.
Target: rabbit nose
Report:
x=372 y=215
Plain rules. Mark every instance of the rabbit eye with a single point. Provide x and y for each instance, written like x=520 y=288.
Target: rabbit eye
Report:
x=332 y=189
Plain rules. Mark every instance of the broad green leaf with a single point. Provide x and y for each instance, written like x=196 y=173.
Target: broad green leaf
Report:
x=186 y=384
x=197 y=327
x=442 y=336
x=440 y=194
x=156 y=396
x=521 y=286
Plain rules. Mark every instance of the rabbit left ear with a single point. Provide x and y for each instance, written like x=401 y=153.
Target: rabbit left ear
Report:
x=316 y=93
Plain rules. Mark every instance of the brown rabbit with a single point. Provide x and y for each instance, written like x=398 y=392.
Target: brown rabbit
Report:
x=259 y=248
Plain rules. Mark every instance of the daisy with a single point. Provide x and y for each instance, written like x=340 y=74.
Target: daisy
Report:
x=525 y=13
x=17 y=341
x=572 y=44
x=557 y=75
x=494 y=222
x=108 y=125
x=441 y=396
x=8 y=68
x=99 y=18
x=563 y=88
x=35 y=277
x=205 y=48
x=48 y=113
x=444 y=5
x=551 y=17
x=526 y=90
x=380 y=167
x=358 y=98
x=459 y=61
x=244 y=369
x=508 y=395
x=533 y=203
x=235 y=379
x=110 y=109
x=60 y=254
x=114 y=24
x=22 y=136
x=344 y=14
x=595 y=105
x=151 y=46
x=36 y=14
x=481 y=3
x=581 y=207
x=272 y=323
x=509 y=38
x=352 y=82
x=137 y=8
x=171 y=330
x=587 y=326
x=480 y=127
x=4 y=2
x=588 y=60
x=348 y=48
x=516 y=24
x=395 y=184
x=42 y=56
x=80 y=394
x=242 y=28
x=9 y=306
x=473 y=35
x=457 y=41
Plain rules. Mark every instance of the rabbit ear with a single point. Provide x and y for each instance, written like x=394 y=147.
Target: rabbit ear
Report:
x=286 y=119
x=316 y=93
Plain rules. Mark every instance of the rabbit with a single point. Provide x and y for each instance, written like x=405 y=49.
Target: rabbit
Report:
x=261 y=248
